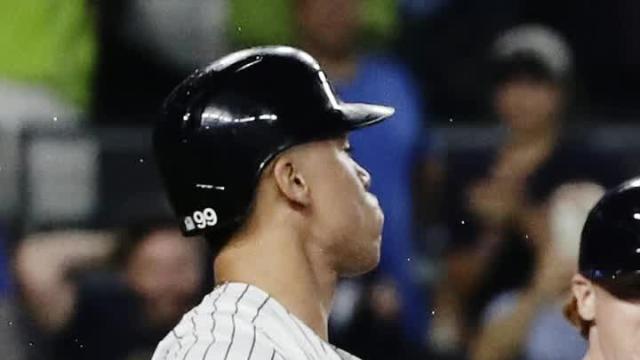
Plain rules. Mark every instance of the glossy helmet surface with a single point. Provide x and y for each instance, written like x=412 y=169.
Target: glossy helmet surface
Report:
x=610 y=243
x=225 y=122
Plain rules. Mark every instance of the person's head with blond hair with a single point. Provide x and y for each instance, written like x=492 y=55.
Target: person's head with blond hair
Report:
x=605 y=303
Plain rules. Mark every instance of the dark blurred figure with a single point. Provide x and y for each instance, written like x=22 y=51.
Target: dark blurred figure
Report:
x=118 y=314
x=375 y=332
x=604 y=38
x=445 y=41
x=498 y=223
x=527 y=323
x=146 y=48
x=330 y=31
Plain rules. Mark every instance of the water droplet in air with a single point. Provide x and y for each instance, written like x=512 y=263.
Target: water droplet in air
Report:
x=55 y=118
x=239 y=28
x=450 y=120
x=10 y=323
x=31 y=343
x=433 y=312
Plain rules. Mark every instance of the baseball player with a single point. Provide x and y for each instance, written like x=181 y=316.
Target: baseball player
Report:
x=605 y=305
x=254 y=154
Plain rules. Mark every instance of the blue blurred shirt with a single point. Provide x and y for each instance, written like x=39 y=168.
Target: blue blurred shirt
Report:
x=549 y=337
x=6 y=285
x=389 y=152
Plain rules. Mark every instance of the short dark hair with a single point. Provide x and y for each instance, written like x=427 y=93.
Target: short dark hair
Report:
x=219 y=237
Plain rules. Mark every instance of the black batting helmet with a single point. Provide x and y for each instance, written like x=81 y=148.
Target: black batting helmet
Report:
x=610 y=244
x=225 y=122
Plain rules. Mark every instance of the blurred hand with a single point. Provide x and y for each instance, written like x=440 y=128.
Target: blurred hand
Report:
x=496 y=200
x=70 y=247
x=43 y=262
x=552 y=275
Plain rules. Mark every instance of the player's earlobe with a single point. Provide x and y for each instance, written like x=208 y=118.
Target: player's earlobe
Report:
x=291 y=182
x=585 y=295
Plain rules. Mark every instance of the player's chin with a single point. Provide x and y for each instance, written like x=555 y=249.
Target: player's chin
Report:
x=367 y=259
x=372 y=260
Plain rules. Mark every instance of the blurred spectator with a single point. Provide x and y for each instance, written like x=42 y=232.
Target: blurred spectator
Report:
x=46 y=68
x=375 y=332
x=147 y=48
x=527 y=323
x=49 y=49
x=274 y=21
x=330 y=30
x=498 y=222
x=604 y=38
x=109 y=315
x=445 y=41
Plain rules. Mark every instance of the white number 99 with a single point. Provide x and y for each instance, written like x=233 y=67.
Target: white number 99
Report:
x=205 y=218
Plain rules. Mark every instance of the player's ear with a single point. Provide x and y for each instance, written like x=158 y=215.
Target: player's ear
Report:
x=290 y=181
x=584 y=292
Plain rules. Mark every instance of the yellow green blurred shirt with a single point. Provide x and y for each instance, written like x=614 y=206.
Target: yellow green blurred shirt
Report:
x=259 y=22
x=50 y=43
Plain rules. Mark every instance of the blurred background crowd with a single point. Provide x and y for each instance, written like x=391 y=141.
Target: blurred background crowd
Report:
x=512 y=115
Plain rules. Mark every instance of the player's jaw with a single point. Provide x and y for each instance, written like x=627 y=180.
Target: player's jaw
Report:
x=343 y=218
x=357 y=218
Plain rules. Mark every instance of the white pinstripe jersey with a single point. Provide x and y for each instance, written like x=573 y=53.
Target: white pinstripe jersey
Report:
x=241 y=322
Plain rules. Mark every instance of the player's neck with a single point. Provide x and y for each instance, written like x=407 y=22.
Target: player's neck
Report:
x=277 y=262
x=593 y=352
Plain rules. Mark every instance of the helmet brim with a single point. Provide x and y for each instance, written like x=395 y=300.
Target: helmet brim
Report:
x=358 y=115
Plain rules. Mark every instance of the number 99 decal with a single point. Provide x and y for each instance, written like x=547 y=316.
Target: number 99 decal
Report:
x=202 y=219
